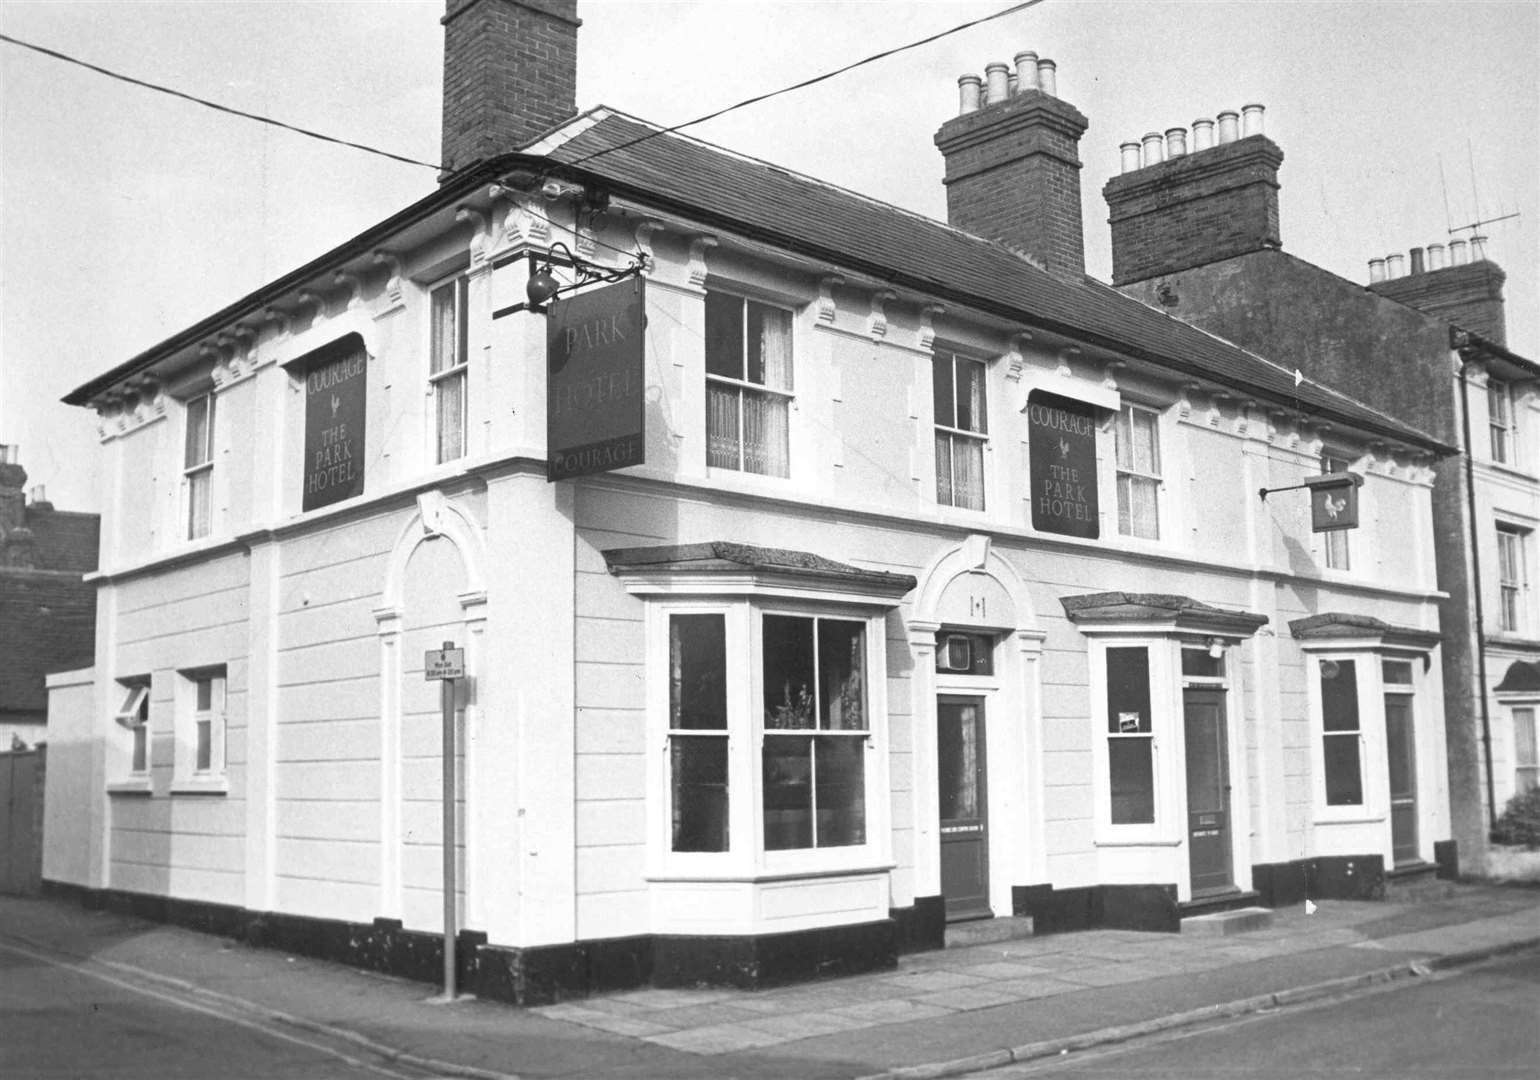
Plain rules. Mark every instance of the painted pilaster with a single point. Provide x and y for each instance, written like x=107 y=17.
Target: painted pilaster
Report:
x=261 y=734
x=927 y=809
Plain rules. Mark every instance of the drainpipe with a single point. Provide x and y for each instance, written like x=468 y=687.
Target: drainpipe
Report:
x=1475 y=560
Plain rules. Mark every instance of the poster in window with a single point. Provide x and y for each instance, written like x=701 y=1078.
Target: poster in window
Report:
x=595 y=389
x=1061 y=452
x=336 y=382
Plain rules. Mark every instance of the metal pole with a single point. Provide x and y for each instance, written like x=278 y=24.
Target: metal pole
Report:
x=447 y=702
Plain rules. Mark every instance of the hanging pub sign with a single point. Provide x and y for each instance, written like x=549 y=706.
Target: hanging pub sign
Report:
x=1334 y=501
x=336 y=380
x=1061 y=454
x=595 y=418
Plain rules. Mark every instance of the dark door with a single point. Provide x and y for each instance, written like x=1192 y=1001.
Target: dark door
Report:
x=1400 y=748
x=964 y=818
x=21 y=822
x=1208 y=792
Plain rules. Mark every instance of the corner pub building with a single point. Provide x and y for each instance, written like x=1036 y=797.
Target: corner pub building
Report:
x=943 y=591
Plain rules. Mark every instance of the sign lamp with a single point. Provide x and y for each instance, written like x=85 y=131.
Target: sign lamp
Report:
x=543 y=286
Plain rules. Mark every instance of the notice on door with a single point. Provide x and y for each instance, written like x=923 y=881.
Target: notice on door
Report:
x=336 y=379
x=1061 y=453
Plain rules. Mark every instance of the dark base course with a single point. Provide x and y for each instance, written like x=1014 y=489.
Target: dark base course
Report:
x=547 y=974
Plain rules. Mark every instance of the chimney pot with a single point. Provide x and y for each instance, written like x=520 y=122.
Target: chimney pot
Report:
x=1395 y=266
x=1011 y=84
x=1131 y=159
x=1227 y=121
x=1417 y=264
x=968 y=97
x=1176 y=142
x=1251 y=120
x=1435 y=256
x=1026 y=71
x=1047 y=79
x=1202 y=134
x=1478 y=248
x=1376 y=270
x=995 y=75
x=1154 y=149
x=1457 y=253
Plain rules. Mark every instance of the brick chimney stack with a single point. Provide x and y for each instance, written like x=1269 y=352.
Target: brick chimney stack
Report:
x=510 y=74
x=1013 y=163
x=1468 y=291
x=1174 y=208
x=15 y=538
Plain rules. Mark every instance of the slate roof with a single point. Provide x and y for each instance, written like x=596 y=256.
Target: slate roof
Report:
x=1347 y=624
x=727 y=557
x=1120 y=607
x=48 y=623
x=829 y=223
x=1522 y=675
x=64 y=539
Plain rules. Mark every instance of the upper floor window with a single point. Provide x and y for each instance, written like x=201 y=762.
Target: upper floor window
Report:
x=1138 y=472
x=448 y=363
x=1512 y=577
x=1336 y=542
x=748 y=385
x=198 y=465
x=1500 y=420
x=957 y=384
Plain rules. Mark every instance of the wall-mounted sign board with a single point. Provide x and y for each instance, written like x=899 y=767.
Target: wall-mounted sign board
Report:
x=1334 y=501
x=595 y=388
x=1061 y=453
x=336 y=392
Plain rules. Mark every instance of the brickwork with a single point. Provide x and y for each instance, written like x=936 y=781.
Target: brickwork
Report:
x=1194 y=210
x=1013 y=176
x=1470 y=296
x=510 y=74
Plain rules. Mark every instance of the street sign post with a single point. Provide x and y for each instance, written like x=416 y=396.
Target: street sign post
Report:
x=446 y=665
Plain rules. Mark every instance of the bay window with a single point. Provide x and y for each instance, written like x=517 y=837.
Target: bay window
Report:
x=748 y=385
x=1341 y=733
x=697 y=721
x=1130 y=736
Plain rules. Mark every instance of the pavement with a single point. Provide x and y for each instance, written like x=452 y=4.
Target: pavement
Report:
x=944 y=1013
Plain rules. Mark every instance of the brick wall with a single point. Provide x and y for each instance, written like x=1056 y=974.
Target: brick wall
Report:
x=510 y=74
x=1194 y=210
x=1013 y=176
x=1470 y=296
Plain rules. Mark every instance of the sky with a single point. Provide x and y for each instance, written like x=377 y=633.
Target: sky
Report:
x=127 y=215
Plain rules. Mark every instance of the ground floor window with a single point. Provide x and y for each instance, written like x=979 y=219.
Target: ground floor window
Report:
x=1130 y=736
x=1341 y=733
x=1526 y=755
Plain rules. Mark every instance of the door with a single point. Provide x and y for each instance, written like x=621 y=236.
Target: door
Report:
x=964 y=814
x=1401 y=749
x=1208 y=792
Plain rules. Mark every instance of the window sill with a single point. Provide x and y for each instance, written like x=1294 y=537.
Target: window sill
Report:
x=137 y=786
x=1147 y=842
x=756 y=877
x=1357 y=817
x=201 y=785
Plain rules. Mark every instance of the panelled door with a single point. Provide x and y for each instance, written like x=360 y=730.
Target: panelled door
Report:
x=1400 y=748
x=964 y=814
x=1208 y=791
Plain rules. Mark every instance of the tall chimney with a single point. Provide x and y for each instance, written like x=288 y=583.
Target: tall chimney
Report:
x=1213 y=203
x=1468 y=294
x=510 y=74
x=1013 y=172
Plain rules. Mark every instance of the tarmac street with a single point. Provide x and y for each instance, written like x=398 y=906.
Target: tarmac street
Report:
x=93 y=993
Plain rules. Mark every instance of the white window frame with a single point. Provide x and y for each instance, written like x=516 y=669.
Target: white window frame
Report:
x=190 y=776
x=1154 y=479
x=747 y=857
x=442 y=375
x=1513 y=587
x=136 y=749
x=744 y=386
x=952 y=434
x=1524 y=768
x=198 y=469
x=1166 y=740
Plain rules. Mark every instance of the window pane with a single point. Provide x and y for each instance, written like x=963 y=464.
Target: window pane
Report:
x=841 y=791
x=1128 y=690
x=788 y=773
x=957 y=753
x=1524 y=747
x=205 y=694
x=699 y=792
x=724 y=336
x=722 y=444
x=1344 y=783
x=970 y=396
x=1144 y=509
x=205 y=745
x=1199 y=664
x=1146 y=442
x=445 y=334
x=199 y=504
x=944 y=492
x=1339 y=695
x=766 y=426
x=1398 y=672
x=200 y=422
x=697 y=672
x=941 y=390
x=967 y=473
x=141 y=743
x=1132 y=775
x=450 y=395
x=842 y=675
x=1123 y=436
x=788 y=668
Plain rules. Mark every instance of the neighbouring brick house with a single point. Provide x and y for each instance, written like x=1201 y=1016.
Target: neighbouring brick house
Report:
x=1197 y=233
x=47 y=610
x=943 y=590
